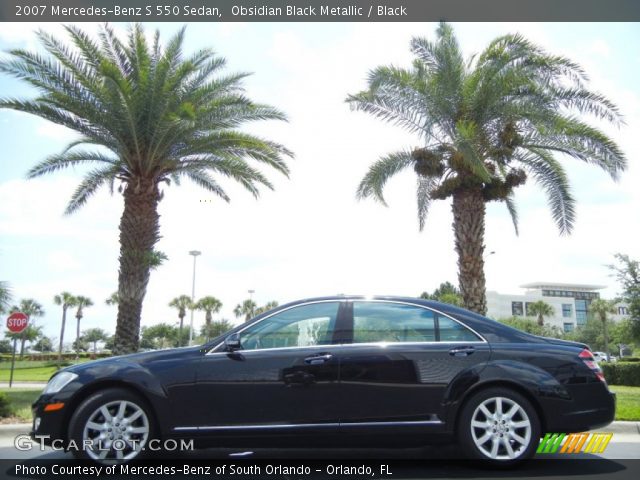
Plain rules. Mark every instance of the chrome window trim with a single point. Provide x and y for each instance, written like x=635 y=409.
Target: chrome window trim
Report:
x=311 y=425
x=332 y=345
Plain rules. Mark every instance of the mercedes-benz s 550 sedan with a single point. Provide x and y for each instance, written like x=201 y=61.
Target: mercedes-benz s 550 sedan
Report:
x=335 y=371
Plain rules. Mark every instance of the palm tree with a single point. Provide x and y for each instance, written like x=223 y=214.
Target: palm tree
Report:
x=147 y=114
x=600 y=308
x=112 y=300
x=540 y=309
x=215 y=329
x=485 y=125
x=5 y=296
x=29 y=334
x=32 y=309
x=246 y=308
x=182 y=303
x=209 y=305
x=66 y=300
x=265 y=308
x=81 y=303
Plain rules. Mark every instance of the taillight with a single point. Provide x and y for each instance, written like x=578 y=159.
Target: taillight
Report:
x=587 y=357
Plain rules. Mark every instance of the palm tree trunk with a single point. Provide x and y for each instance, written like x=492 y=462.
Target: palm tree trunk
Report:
x=22 y=342
x=139 y=226
x=180 y=331
x=605 y=334
x=468 y=226
x=207 y=318
x=78 y=337
x=540 y=320
x=64 y=321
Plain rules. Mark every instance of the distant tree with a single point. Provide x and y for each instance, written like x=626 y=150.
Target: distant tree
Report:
x=113 y=299
x=160 y=335
x=108 y=343
x=6 y=346
x=81 y=304
x=529 y=326
x=209 y=305
x=32 y=309
x=591 y=333
x=181 y=303
x=540 y=309
x=621 y=335
x=43 y=345
x=215 y=329
x=246 y=308
x=66 y=300
x=600 y=308
x=79 y=345
x=627 y=272
x=265 y=308
x=94 y=335
x=29 y=334
x=445 y=293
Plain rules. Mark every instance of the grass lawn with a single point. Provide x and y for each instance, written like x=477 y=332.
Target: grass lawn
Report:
x=628 y=406
x=21 y=400
x=30 y=370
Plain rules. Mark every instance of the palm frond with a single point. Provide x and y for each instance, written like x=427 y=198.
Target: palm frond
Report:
x=372 y=185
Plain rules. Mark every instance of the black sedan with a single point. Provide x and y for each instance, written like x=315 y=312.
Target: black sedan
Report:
x=334 y=371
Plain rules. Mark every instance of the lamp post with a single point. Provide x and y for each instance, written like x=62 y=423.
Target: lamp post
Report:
x=194 y=254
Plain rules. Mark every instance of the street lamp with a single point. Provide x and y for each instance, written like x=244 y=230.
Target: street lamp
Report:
x=194 y=254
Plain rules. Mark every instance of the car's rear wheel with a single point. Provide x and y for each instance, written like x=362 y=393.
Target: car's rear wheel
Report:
x=111 y=426
x=499 y=425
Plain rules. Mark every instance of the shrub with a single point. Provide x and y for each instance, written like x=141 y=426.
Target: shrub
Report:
x=622 y=373
x=629 y=359
x=5 y=406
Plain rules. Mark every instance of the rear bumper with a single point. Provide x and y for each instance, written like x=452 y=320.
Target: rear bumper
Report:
x=592 y=406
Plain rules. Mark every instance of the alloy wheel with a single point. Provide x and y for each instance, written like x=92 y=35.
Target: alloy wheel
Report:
x=501 y=428
x=117 y=430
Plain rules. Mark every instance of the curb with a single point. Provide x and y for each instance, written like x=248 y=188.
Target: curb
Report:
x=13 y=429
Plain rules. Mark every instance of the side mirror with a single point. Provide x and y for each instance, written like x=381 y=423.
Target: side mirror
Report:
x=232 y=342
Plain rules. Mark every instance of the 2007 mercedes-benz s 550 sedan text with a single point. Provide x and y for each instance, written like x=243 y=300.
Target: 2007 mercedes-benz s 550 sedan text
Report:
x=335 y=371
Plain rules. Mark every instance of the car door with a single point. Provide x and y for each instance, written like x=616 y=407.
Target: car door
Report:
x=401 y=358
x=284 y=376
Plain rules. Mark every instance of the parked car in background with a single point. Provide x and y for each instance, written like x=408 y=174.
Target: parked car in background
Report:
x=601 y=357
x=336 y=371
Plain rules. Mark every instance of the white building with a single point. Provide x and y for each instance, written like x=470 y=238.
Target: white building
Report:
x=570 y=303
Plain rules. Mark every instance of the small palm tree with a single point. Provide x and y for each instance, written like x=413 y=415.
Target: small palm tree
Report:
x=485 y=125
x=66 y=300
x=540 y=309
x=32 y=309
x=29 y=334
x=147 y=115
x=601 y=308
x=209 y=305
x=181 y=303
x=215 y=329
x=246 y=308
x=81 y=304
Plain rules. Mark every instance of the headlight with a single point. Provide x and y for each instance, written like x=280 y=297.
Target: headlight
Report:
x=59 y=381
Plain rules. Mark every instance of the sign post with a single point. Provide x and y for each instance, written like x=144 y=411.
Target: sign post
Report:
x=16 y=323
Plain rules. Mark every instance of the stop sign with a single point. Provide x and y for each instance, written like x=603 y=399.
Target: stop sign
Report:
x=17 y=322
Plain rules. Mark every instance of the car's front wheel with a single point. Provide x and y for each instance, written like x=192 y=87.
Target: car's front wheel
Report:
x=499 y=425
x=112 y=425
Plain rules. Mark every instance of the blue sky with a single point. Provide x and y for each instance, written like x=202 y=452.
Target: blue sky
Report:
x=311 y=237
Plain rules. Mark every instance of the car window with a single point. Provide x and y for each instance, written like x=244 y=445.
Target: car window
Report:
x=302 y=326
x=451 y=331
x=392 y=322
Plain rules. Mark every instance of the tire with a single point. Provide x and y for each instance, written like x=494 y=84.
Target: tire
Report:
x=113 y=440
x=498 y=426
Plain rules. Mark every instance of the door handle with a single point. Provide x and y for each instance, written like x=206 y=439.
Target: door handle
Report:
x=461 y=351
x=318 y=359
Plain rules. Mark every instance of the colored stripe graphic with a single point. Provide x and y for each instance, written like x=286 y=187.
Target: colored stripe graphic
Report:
x=573 y=443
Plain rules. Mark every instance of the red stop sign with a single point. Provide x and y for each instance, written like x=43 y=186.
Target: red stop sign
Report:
x=17 y=322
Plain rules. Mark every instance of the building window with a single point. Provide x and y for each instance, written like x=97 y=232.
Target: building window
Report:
x=516 y=309
x=581 y=312
x=623 y=311
x=567 y=310
x=568 y=327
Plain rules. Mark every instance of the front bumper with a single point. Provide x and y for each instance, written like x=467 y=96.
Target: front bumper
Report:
x=52 y=425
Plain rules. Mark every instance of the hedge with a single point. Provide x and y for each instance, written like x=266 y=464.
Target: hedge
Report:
x=622 y=373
